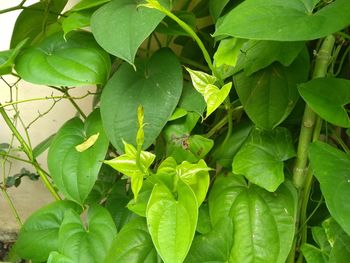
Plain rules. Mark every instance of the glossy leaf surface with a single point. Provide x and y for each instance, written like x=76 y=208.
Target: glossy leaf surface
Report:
x=87 y=244
x=261 y=157
x=75 y=172
x=283 y=21
x=332 y=170
x=156 y=85
x=76 y=20
x=328 y=98
x=78 y=60
x=172 y=222
x=263 y=222
x=41 y=230
x=133 y=244
x=269 y=95
x=129 y=20
x=256 y=55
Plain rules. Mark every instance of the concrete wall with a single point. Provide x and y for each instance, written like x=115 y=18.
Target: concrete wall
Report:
x=29 y=195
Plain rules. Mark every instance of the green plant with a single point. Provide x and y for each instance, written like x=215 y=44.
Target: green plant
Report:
x=210 y=160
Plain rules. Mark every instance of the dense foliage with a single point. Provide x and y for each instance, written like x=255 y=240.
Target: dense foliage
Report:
x=219 y=132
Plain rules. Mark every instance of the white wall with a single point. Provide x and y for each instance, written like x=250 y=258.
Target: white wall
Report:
x=30 y=194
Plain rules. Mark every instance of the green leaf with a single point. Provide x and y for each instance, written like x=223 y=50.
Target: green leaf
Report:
x=269 y=95
x=328 y=102
x=7 y=58
x=191 y=100
x=74 y=172
x=332 y=170
x=78 y=60
x=261 y=157
x=263 y=221
x=172 y=222
x=214 y=96
x=216 y=7
x=177 y=114
x=313 y=254
x=283 y=21
x=43 y=146
x=30 y=23
x=214 y=246
x=89 y=243
x=40 y=230
x=339 y=240
x=76 y=20
x=156 y=86
x=256 y=55
x=133 y=244
x=130 y=165
x=133 y=24
x=171 y=28
x=224 y=151
x=56 y=257
x=139 y=205
x=196 y=176
x=204 y=224
x=226 y=56
x=87 y=4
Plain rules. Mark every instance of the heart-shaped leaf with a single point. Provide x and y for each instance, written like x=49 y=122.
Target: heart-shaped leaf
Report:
x=214 y=246
x=41 y=231
x=156 y=86
x=332 y=170
x=172 y=222
x=269 y=95
x=264 y=222
x=327 y=97
x=133 y=244
x=30 y=23
x=256 y=55
x=74 y=172
x=283 y=20
x=87 y=244
x=133 y=24
x=261 y=157
x=78 y=60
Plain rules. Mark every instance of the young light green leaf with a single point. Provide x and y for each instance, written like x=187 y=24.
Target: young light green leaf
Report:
x=214 y=96
x=56 y=257
x=88 y=143
x=132 y=166
x=313 y=254
x=40 y=230
x=328 y=102
x=76 y=20
x=256 y=55
x=157 y=86
x=283 y=21
x=133 y=23
x=172 y=222
x=269 y=95
x=74 y=172
x=78 y=60
x=196 y=176
x=261 y=157
x=200 y=79
x=226 y=56
x=87 y=244
x=133 y=244
x=332 y=170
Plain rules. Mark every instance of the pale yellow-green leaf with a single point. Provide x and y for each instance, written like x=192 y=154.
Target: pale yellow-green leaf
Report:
x=200 y=79
x=214 y=96
x=228 y=51
x=87 y=143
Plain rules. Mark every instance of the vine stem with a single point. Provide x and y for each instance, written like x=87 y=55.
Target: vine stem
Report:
x=28 y=151
x=12 y=206
x=13 y=8
x=302 y=176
